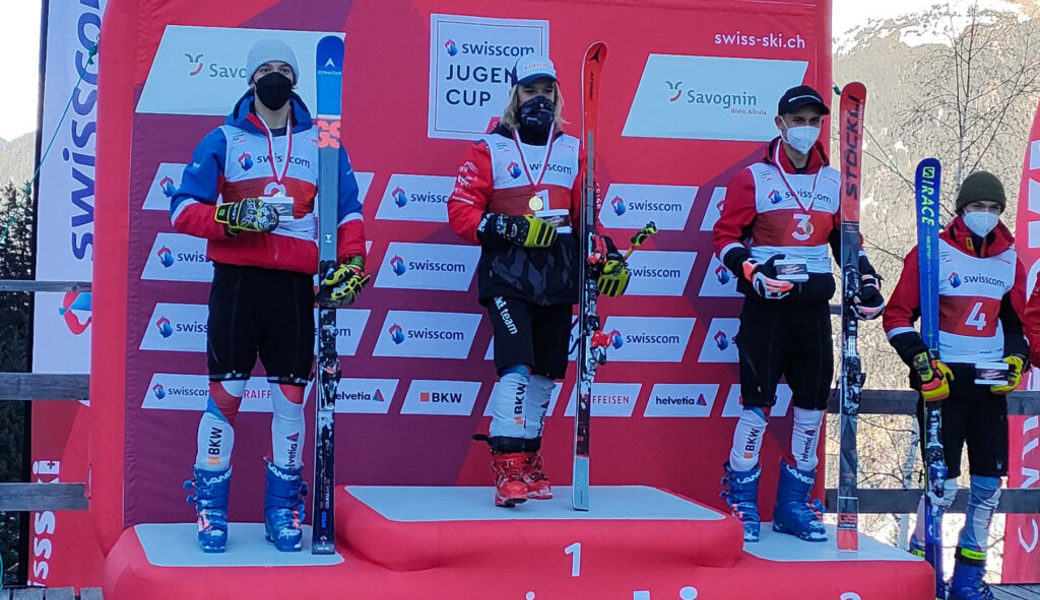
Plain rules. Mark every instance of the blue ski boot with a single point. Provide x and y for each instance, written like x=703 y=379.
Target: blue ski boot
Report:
x=967 y=583
x=284 y=507
x=740 y=491
x=793 y=513
x=209 y=496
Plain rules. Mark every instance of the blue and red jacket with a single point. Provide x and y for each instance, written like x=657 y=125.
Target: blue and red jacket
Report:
x=240 y=160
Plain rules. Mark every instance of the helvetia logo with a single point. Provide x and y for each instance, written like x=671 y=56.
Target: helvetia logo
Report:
x=721 y=341
x=164 y=326
x=75 y=309
x=378 y=396
x=618 y=205
x=400 y=197
x=396 y=333
x=195 y=64
x=246 y=161
x=514 y=170
x=166 y=185
x=165 y=257
x=397 y=264
x=723 y=274
x=955 y=279
x=674 y=90
x=158 y=391
x=775 y=197
x=451 y=47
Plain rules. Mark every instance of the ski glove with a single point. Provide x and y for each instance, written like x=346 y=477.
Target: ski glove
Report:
x=342 y=285
x=935 y=377
x=868 y=303
x=762 y=277
x=1016 y=364
x=528 y=231
x=613 y=279
x=248 y=214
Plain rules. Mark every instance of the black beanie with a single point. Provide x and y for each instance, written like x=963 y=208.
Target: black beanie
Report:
x=981 y=185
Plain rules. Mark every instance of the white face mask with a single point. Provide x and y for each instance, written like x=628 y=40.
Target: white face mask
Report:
x=981 y=222
x=801 y=138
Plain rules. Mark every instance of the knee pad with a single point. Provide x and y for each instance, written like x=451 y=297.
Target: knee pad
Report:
x=949 y=494
x=226 y=398
x=984 y=492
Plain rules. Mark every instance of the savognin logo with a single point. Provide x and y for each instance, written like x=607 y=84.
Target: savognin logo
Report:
x=195 y=64
x=674 y=90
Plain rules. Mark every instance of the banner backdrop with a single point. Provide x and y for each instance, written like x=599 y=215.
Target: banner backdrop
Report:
x=1022 y=533
x=689 y=92
x=62 y=547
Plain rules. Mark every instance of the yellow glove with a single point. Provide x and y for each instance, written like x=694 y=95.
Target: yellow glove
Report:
x=614 y=278
x=343 y=284
x=1016 y=364
x=248 y=214
x=935 y=377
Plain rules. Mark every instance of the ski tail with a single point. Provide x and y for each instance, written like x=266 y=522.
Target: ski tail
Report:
x=588 y=320
x=927 y=183
x=329 y=79
x=852 y=105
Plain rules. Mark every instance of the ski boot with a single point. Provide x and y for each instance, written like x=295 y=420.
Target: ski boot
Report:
x=916 y=547
x=967 y=583
x=209 y=496
x=793 y=513
x=538 y=486
x=740 y=491
x=510 y=487
x=284 y=507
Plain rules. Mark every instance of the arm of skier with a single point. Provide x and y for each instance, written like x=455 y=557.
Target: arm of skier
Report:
x=869 y=302
x=904 y=307
x=350 y=231
x=1032 y=323
x=473 y=187
x=734 y=224
x=193 y=205
x=1016 y=350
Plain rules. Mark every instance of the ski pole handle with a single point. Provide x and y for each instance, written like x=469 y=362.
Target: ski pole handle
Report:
x=637 y=240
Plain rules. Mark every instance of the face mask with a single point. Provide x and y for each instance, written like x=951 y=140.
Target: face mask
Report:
x=537 y=113
x=801 y=138
x=274 y=90
x=981 y=222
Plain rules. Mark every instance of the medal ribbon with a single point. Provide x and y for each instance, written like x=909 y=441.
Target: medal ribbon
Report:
x=288 y=150
x=545 y=161
x=783 y=176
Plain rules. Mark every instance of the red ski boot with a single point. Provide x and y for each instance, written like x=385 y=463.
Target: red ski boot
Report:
x=538 y=486
x=510 y=488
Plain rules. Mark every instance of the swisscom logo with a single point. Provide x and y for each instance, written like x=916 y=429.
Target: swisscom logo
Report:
x=416 y=198
x=178 y=257
x=419 y=266
x=177 y=327
x=634 y=204
x=165 y=182
x=650 y=339
x=719 y=346
x=76 y=310
x=718 y=281
x=659 y=273
x=176 y=391
x=421 y=334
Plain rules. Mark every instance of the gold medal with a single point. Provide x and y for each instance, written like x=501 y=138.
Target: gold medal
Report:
x=535 y=203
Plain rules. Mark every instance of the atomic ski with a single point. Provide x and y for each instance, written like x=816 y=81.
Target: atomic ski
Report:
x=329 y=77
x=853 y=101
x=589 y=354
x=927 y=186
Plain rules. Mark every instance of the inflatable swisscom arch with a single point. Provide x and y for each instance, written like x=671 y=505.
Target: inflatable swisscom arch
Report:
x=689 y=90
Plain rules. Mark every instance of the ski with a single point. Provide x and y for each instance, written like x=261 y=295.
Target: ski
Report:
x=329 y=78
x=853 y=102
x=589 y=355
x=927 y=187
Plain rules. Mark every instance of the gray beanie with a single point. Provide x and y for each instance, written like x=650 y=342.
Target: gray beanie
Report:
x=981 y=185
x=265 y=51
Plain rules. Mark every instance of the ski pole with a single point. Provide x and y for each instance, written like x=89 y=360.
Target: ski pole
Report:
x=637 y=240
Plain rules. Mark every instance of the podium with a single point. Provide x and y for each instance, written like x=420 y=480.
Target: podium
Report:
x=636 y=543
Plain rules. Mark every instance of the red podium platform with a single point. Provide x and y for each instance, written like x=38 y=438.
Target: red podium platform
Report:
x=637 y=543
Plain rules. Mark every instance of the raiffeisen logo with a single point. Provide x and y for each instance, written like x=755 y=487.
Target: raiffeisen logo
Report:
x=167 y=187
x=721 y=341
x=400 y=197
x=514 y=170
x=451 y=47
x=674 y=90
x=396 y=333
x=618 y=205
x=246 y=160
x=775 y=197
x=164 y=327
x=165 y=257
x=158 y=391
x=75 y=309
x=195 y=64
x=955 y=279
x=397 y=264
x=723 y=274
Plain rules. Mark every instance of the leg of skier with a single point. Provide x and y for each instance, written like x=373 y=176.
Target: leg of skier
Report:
x=539 y=393
x=212 y=472
x=970 y=565
x=508 y=446
x=918 y=536
x=794 y=513
x=742 y=471
x=283 y=502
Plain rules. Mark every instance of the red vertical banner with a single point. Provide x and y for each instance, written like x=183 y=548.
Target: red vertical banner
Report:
x=1022 y=534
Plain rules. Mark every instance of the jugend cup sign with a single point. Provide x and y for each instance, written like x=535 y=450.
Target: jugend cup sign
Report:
x=470 y=61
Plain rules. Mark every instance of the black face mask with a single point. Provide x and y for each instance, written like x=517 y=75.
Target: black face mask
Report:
x=537 y=114
x=274 y=90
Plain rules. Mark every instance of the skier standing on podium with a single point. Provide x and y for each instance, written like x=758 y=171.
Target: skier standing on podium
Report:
x=981 y=298
x=779 y=216
x=250 y=192
x=518 y=195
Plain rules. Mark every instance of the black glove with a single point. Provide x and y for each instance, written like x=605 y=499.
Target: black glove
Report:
x=248 y=214
x=762 y=277
x=868 y=303
x=528 y=231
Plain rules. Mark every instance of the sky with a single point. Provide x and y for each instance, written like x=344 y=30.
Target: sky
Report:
x=20 y=37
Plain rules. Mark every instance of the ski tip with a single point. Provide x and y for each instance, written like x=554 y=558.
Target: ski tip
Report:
x=597 y=52
x=855 y=89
